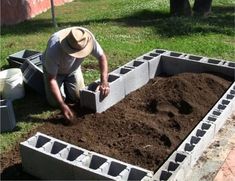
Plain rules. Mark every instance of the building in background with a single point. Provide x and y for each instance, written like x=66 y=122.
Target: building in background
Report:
x=16 y=11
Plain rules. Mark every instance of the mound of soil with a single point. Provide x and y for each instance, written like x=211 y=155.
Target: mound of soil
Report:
x=143 y=129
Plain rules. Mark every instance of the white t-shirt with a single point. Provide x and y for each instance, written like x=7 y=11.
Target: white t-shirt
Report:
x=56 y=61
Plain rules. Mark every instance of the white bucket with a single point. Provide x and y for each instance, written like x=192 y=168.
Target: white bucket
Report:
x=11 y=84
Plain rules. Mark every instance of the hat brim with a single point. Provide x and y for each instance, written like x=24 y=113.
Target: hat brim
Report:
x=72 y=52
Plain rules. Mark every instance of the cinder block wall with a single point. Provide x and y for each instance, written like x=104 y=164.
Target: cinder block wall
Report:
x=16 y=11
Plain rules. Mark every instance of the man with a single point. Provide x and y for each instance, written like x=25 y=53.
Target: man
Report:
x=66 y=49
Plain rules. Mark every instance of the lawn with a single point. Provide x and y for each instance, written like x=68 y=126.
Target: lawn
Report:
x=126 y=30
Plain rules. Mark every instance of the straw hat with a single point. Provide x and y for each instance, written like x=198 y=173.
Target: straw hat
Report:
x=76 y=41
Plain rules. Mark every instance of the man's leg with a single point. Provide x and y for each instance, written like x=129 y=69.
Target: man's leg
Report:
x=72 y=84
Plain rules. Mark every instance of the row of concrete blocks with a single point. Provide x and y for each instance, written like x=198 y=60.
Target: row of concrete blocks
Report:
x=139 y=71
x=48 y=158
x=185 y=157
x=8 y=121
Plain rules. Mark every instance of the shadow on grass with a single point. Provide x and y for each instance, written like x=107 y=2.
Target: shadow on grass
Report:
x=28 y=27
x=221 y=21
x=31 y=104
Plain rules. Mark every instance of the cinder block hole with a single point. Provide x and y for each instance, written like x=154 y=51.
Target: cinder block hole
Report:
x=192 y=57
x=38 y=141
x=232 y=92
x=154 y=54
x=136 y=174
x=188 y=147
x=57 y=147
x=200 y=133
x=96 y=162
x=194 y=140
x=174 y=54
x=137 y=63
x=74 y=153
x=148 y=57
x=179 y=157
x=124 y=71
x=220 y=106
x=112 y=78
x=214 y=61
x=231 y=64
x=172 y=166
x=229 y=96
x=116 y=168
x=205 y=126
x=160 y=51
x=225 y=102
x=41 y=141
x=211 y=119
x=165 y=175
x=217 y=113
x=93 y=86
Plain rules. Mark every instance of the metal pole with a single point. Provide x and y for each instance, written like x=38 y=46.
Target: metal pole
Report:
x=53 y=14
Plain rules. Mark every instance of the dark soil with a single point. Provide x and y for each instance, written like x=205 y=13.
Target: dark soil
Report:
x=143 y=129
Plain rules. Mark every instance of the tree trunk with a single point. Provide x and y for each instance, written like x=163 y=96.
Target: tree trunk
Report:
x=202 y=7
x=180 y=8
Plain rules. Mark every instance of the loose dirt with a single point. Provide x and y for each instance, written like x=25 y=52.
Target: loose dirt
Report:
x=143 y=129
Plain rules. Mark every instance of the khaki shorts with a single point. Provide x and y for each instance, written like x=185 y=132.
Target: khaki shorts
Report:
x=69 y=87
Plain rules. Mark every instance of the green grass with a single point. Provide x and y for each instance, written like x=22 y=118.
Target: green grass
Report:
x=126 y=30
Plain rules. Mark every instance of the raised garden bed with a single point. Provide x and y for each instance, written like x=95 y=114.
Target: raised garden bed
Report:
x=143 y=129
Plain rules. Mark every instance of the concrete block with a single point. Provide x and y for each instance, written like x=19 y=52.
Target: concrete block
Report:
x=197 y=141
x=176 y=54
x=48 y=158
x=229 y=64
x=33 y=76
x=92 y=99
x=127 y=75
x=39 y=158
x=167 y=52
x=7 y=113
x=141 y=73
x=153 y=60
x=222 y=109
x=194 y=57
x=104 y=168
x=175 y=168
x=160 y=51
x=18 y=58
x=214 y=61
x=174 y=65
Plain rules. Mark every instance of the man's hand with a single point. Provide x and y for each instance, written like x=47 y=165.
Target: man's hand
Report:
x=68 y=114
x=104 y=89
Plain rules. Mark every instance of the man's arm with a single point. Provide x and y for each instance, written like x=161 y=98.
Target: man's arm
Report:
x=104 y=85
x=56 y=93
